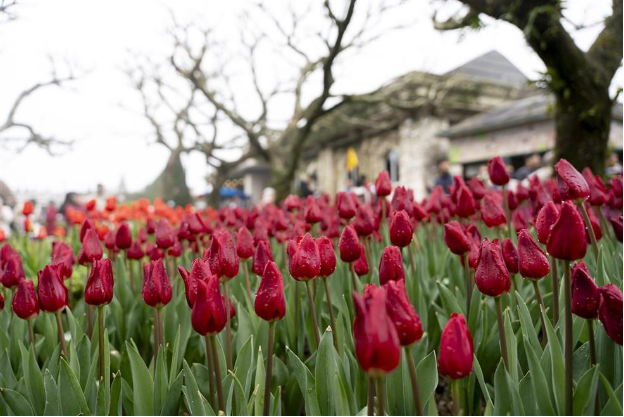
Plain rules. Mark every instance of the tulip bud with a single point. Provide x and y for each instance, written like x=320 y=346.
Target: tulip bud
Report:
x=224 y=262
x=456 y=348
x=456 y=239
x=616 y=222
x=349 y=245
x=28 y=209
x=402 y=313
x=510 y=255
x=477 y=187
x=610 y=312
x=306 y=259
x=261 y=257
x=63 y=255
x=377 y=345
x=176 y=250
x=328 y=256
x=498 y=171
x=86 y=225
x=25 y=303
x=545 y=220
x=572 y=185
x=400 y=229
x=312 y=212
x=491 y=212
x=150 y=226
x=364 y=223
x=345 y=205
x=91 y=247
x=111 y=203
x=109 y=243
x=99 y=288
x=51 y=290
x=164 y=235
x=585 y=293
x=156 y=286
x=391 y=265
x=11 y=269
x=567 y=236
x=597 y=190
x=492 y=277
x=200 y=271
x=244 y=243
x=270 y=304
x=361 y=265
x=123 y=237
x=292 y=202
x=135 y=252
x=532 y=261
x=465 y=205
x=208 y=315
x=383 y=185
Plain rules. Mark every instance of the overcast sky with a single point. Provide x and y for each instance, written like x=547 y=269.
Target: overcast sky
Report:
x=101 y=111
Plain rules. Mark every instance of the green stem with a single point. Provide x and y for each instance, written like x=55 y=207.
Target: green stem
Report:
x=381 y=401
x=568 y=339
x=317 y=335
x=554 y=273
x=161 y=330
x=268 y=372
x=101 y=340
x=228 y=327
x=540 y=301
x=370 y=404
x=592 y=342
x=353 y=277
x=247 y=282
x=31 y=333
x=590 y=229
x=332 y=320
x=217 y=371
x=210 y=365
x=61 y=332
x=413 y=377
x=468 y=279
x=455 y=388
x=156 y=337
x=501 y=332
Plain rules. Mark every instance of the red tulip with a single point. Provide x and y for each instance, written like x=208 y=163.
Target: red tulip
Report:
x=135 y=251
x=28 y=209
x=597 y=190
x=545 y=220
x=391 y=265
x=585 y=293
x=349 y=245
x=465 y=205
x=91 y=247
x=377 y=345
x=312 y=212
x=328 y=256
x=345 y=205
x=572 y=185
x=86 y=225
x=510 y=255
x=25 y=303
x=456 y=348
x=292 y=202
x=164 y=235
x=11 y=269
x=109 y=243
x=111 y=203
x=224 y=262
x=492 y=213
x=456 y=239
x=208 y=316
x=532 y=261
x=156 y=286
x=51 y=290
x=610 y=312
x=200 y=271
x=305 y=262
x=361 y=265
x=244 y=243
x=63 y=255
x=383 y=185
x=402 y=200
x=567 y=236
x=492 y=277
x=99 y=288
x=195 y=223
x=123 y=237
x=477 y=187
x=364 y=223
x=270 y=304
x=616 y=222
x=261 y=257
x=402 y=313
x=176 y=250
x=400 y=229
x=498 y=171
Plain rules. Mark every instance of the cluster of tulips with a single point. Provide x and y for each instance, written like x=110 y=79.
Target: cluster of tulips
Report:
x=534 y=232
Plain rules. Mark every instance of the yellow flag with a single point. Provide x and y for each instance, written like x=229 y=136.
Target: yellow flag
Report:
x=352 y=159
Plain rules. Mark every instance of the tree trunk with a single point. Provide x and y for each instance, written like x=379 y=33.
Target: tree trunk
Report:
x=171 y=183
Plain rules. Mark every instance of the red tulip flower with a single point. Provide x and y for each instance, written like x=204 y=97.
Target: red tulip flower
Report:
x=465 y=204
x=52 y=292
x=492 y=277
x=123 y=237
x=360 y=267
x=135 y=252
x=572 y=185
x=616 y=222
x=164 y=235
x=585 y=293
x=545 y=220
x=11 y=269
x=567 y=237
x=491 y=212
x=498 y=171
x=91 y=247
x=402 y=313
x=597 y=191
x=456 y=239
x=86 y=225
x=510 y=255
x=349 y=245
x=305 y=262
x=456 y=348
x=383 y=185
x=312 y=212
x=345 y=205
x=63 y=255
x=156 y=286
x=99 y=288
x=477 y=187
x=533 y=263
x=400 y=229
x=200 y=271
x=377 y=344
x=25 y=302
x=208 y=316
x=328 y=256
x=224 y=262
x=364 y=223
x=244 y=243
x=610 y=312
x=391 y=265
x=28 y=209
x=270 y=304
x=261 y=257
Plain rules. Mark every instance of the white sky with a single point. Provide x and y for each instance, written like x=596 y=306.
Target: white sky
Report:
x=101 y=111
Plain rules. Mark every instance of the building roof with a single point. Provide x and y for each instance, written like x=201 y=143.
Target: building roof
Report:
x=516 y=113
x=491 y=66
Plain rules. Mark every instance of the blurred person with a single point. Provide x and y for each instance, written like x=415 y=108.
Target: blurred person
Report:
x=444 y=179
x=545 y=171
x=614 y=167
x=307 y=187
x=71 y=200
x=368 y=187
x=531 y=163
x=6 y=218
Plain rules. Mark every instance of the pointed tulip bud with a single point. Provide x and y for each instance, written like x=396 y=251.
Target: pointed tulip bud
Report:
x=135 y=252
x=510 y=255
x=400 y=229
x=11 y=270
x=109 y=243
x=328 y=256
x=585 y=293
x=86 y=225
x=383 y=185
x=364 y=223
x=345 y=205
x=456 y=348
x=477 y=187
x=156 y=286
x=492 y=213
x=572 y=185
x=349 y=245
x=567 y=237
x=361 y=265
x=51 y=290
x=610 y=312
x=465 y=206
x=391 y=265
x=532 y=261
x=306 y=260
x=25 y=303
x=91 y=246
x=63 y=255
x=224 y=262
x=208 y=316
x=597 y=190
x=616 y=222
x=244 y=243
x=545 y=220
x=164 y=235
x=270 y=304
x=456 y=239
x=402 y=313
x=99 y=288
x=312 y=212
x=377 y=345
x=200 y=271
x=261 y=257
x=492 y=277
x=498 y=171
x=123 y=237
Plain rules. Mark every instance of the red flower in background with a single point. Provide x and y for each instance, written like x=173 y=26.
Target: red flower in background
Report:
x=244 y=243
x=498 y=171
x=261 y=257
x=383 y=185
x=328 y=256
x=510 y=255
x=610 y=312
x=360 y=267
x=25 y=302
x=391 y=265
x=456 y=239
x=349 y=245
x=270 y=303
x=208 y=315
x=63 y=255
x=572 y=185
x=456 y=348
x=224 y=262
x=123 y=237
x=51 y=290
x=585 y=293
x=533 y=263
x=164 y=235
x=492 y=277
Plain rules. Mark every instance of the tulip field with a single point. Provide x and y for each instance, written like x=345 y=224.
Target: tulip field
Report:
x=485 y=301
